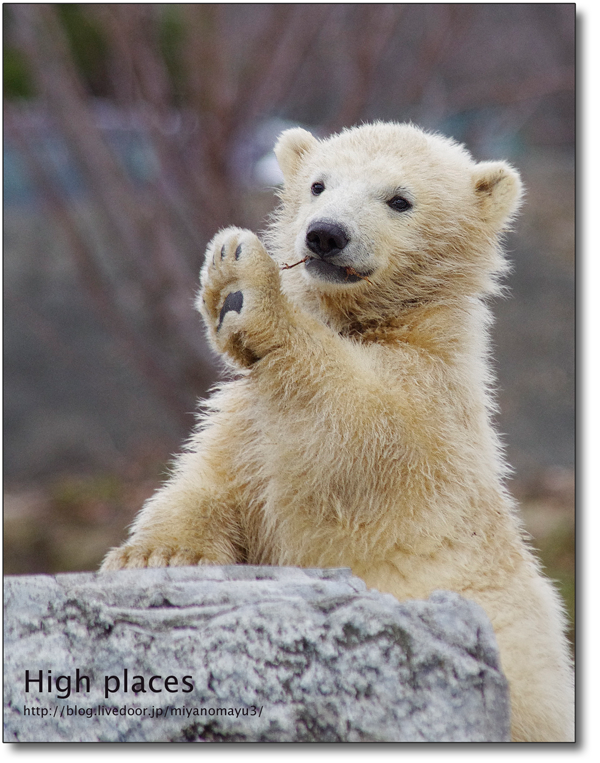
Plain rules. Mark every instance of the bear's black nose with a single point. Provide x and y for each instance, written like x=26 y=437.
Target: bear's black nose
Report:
x=326 y=239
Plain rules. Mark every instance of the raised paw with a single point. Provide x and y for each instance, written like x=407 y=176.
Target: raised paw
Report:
x=240 y=294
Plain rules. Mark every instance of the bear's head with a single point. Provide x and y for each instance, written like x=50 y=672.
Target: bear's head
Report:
x=388 y=215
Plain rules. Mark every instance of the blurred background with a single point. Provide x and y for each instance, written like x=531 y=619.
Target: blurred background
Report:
x=132 y=132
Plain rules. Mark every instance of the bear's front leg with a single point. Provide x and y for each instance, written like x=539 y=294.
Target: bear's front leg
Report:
x=240 y=298
x=194 y=518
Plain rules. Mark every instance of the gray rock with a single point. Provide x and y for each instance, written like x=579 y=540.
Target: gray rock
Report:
x=273 y=655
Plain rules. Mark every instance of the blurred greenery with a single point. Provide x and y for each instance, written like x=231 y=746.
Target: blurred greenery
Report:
x=548 y=513
x=69 y=524
x=88 y=45
x=557 y=554
x=171 y=33
x=17 y=81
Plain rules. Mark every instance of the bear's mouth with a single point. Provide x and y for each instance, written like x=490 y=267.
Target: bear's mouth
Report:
x=327 y=271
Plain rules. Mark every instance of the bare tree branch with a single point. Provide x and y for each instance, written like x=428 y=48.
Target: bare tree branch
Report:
x=372 y=31
x=330 y=65
x=133 y=346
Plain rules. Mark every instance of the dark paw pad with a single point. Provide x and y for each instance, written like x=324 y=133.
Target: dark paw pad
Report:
x=238 y=251
x=233 y=301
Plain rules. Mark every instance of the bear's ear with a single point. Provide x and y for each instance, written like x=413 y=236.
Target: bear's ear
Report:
x=499 y=191
x=291 y=148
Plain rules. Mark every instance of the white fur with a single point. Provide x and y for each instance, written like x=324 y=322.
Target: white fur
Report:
x=357 y=432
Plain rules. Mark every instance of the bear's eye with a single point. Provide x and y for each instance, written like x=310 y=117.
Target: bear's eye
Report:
x=317 y=188
x=399 y=203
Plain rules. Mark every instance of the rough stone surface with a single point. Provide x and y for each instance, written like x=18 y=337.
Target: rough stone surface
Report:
x=274 y=654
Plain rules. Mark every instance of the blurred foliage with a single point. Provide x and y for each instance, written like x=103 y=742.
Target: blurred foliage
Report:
x=75 y=496
x=17 y=79
x=87 y=42
x=171 y=37
x=557 y=554
x=553 y=542
x=69 y=524
x=88 y=45
x=548 y=511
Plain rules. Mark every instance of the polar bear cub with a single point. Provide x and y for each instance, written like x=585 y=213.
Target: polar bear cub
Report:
x=357 y=429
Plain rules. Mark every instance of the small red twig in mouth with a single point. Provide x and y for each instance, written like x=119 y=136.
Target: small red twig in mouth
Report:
x=287 y=267
x=349 y=270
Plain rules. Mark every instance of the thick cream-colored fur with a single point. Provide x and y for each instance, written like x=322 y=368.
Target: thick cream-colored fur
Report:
x=357 y=431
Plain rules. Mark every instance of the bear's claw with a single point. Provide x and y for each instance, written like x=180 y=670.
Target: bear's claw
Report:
x=139 y=557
